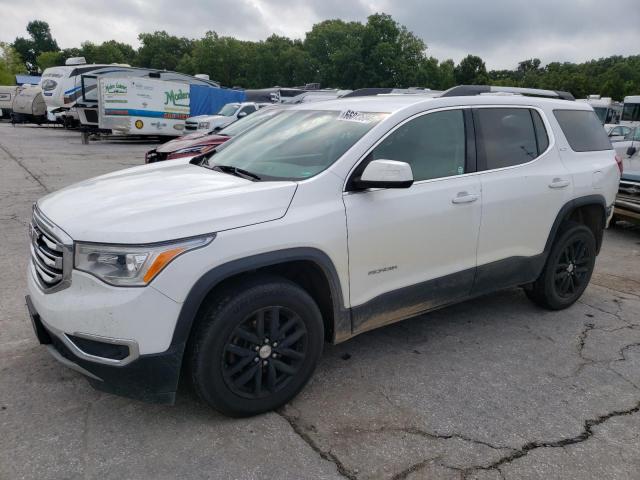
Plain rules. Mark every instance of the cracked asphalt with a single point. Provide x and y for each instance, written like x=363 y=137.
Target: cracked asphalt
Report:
x=494 y=388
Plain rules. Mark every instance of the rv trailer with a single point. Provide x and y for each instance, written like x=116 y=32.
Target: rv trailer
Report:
x=72 y=90
x=29 y=106
x=607 y=110
x=142 y=106
x=152 y=106
x=7 y=94
x=631 y=111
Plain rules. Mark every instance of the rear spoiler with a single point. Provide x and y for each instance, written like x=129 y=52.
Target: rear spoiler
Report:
x=471 y=90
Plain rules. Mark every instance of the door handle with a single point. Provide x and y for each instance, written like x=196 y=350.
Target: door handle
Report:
x=559 y=183
x=464 y=197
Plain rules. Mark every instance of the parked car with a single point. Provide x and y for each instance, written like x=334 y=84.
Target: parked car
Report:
x=628 y=149
x=226 y=116
x=628 y=199
x=198 y=143
x=325 y=221
x=627 y=205
x=617 y=133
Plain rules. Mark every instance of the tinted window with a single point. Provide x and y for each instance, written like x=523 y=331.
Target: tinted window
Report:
x=583 y=130
x=505 y=137
x=433 y=144
x=248 y=109
x=542 y=138
x=631 y=112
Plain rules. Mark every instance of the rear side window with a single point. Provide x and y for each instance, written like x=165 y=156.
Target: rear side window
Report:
x=507 y=137
x=583 y=130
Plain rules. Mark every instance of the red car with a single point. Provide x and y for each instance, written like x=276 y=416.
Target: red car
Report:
x=201 y=142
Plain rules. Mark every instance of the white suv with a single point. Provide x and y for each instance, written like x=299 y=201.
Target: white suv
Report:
x=326 y=221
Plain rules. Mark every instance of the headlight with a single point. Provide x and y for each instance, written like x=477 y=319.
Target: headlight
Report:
x=196 y=149
x=203 y=125
x=133 y=266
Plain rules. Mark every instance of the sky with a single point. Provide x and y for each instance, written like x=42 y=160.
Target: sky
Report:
x=501 y=32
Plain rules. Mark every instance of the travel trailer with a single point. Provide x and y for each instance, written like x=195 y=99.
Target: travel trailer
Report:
x=607 y=110
x=7 y=94
x=29 y=106
x=71 y=90
x=152 y=106
x=631 y=111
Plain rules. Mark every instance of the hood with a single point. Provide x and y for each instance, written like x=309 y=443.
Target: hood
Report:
x=199 y=138
x=163 y=201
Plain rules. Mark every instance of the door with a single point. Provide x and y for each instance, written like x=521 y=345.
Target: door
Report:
x=413 y=249
x=524 y=186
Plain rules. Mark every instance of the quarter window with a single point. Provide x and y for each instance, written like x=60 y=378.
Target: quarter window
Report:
x=433 y=144
x=583 y=130
x=507 y=136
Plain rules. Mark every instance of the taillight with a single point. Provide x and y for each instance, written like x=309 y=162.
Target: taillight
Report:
x=619 y=162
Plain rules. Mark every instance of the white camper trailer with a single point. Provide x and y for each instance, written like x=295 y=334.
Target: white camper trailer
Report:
x=7 y=94
x=607 y=110
x=28 y=105
x=631 y=111
x=62 y=87
x=142 y=106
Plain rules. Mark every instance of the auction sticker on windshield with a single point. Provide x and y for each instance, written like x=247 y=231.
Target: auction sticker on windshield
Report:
x=354 y=116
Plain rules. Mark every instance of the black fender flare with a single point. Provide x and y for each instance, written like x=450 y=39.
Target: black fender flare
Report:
x=569 y=207
x=207 y=282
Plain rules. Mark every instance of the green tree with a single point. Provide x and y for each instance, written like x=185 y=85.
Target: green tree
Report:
x=10 y=64
x=161 y=50
x=40 y=41
x=335 y=52
x=471 y=71
x=110 y=51
x=49 y=59
x=391 y=55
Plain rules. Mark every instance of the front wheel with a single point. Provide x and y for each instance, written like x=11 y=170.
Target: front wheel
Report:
x=256 y=346
x=568 y=269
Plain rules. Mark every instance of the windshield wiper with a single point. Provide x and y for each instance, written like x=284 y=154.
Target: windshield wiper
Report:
x=238 y=172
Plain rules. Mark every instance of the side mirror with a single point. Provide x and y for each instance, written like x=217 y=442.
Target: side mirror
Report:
x=631 y=151
x=242 y=114
x=385 y=174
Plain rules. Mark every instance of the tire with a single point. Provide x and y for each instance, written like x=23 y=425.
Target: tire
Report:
x=235 y=366
x=568 y=269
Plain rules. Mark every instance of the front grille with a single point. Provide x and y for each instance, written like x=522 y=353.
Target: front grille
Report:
x=47 y=254
x=191 y=126
x=629 y=195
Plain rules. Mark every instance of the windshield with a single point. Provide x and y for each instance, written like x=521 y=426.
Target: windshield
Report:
x=631 y=112
x=296 y=144
x=229 y=109
x=249 y=121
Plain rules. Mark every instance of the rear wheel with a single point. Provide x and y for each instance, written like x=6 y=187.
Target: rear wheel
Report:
x=568 y=269
x=256 y=346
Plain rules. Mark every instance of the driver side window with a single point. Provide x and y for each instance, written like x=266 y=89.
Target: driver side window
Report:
x=433 y=144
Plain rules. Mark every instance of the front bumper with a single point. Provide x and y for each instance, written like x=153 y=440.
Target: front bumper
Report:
x=151 y=378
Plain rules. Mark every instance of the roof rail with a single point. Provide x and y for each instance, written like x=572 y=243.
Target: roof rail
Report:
x=470 y=90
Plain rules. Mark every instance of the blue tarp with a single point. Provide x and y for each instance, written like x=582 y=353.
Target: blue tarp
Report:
x=27 y=79
x=208 y=100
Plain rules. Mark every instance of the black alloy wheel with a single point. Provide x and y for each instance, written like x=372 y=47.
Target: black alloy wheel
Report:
x=264 y=352
x=572 y=269
x=255 y=345
x=567 y=270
